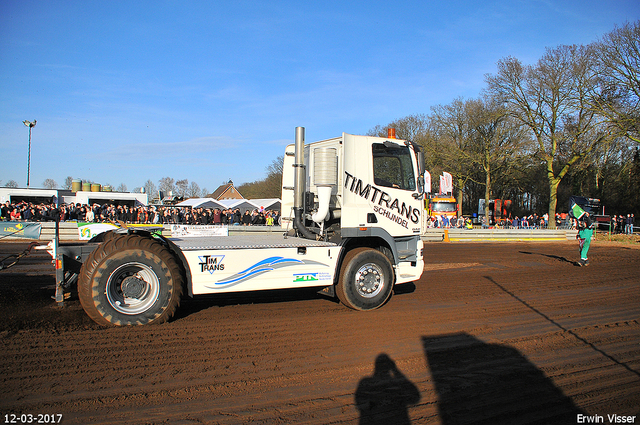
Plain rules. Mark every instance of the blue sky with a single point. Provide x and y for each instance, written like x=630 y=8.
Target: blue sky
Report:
x=126 y=91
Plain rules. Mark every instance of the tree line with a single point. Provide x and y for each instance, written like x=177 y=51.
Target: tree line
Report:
x=166 y=186
x=567 y=125
x=537 y=134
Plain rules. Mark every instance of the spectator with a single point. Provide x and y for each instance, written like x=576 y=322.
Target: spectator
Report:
x=217 y=217
x=621 y=224
x=246 y=218
x=15 y=214
x=629 y=224
x=89 y=216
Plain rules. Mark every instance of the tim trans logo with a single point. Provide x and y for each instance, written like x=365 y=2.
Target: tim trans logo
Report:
x=211 y=263
x=305 y=277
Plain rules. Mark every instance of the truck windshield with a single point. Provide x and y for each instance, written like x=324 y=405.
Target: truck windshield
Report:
x=392 y=167
x=443 y=206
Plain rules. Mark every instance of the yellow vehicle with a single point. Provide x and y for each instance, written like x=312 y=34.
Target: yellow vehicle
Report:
x=439 y=205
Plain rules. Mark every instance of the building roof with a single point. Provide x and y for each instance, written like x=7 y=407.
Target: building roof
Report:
x=226 y=191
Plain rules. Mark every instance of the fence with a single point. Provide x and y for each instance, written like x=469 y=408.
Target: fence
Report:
x=69 y=232
x=486 y=235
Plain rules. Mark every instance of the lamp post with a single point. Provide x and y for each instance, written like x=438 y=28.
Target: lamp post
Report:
x=30 y=125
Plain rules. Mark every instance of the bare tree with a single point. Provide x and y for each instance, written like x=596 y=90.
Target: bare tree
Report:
x=276 y=166
x=122 y=188
x=181 y=187
x=194 y=190
x=165 y=185
x=411 y=127
x=618 y=96
x=11 y=183
x=49 y=184
x=497 y=141
x=452 y=136
x=150 y=189
x=551 y=100
x=68 y=182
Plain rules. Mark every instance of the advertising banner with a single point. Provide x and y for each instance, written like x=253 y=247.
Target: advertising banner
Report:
x=427 y=181
x=446 y=183
x=185 y=230
x=87 y=231
x=20 y=229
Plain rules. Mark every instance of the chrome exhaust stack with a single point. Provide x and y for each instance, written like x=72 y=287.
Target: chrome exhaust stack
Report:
x=299 y=179
x=299 y=186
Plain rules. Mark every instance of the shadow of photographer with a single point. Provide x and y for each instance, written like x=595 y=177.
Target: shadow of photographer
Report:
x=384 y=397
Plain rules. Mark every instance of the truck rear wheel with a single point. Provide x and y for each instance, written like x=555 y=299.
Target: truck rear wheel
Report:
x=366 y=279
x=130 y=280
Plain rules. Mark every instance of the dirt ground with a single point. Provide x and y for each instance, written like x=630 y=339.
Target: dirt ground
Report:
x=493 y=333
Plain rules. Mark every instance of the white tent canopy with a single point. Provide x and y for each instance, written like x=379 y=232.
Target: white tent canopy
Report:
x=200 y=203
x=225 y=204
x=267 y=204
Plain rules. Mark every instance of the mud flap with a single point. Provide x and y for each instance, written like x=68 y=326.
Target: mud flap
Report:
x=329 y=291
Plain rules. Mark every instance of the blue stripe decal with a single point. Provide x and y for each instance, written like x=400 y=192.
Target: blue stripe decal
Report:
x=261 y=267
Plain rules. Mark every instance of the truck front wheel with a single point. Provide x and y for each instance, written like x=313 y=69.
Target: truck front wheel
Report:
x=366 y=279
x=130 y=280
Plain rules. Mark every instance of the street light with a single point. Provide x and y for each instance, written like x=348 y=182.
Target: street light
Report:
x=30 y=125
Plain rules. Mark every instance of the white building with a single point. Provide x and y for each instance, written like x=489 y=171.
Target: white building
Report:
x=63 y=196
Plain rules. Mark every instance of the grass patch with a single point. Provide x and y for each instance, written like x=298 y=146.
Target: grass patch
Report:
x=618 y=238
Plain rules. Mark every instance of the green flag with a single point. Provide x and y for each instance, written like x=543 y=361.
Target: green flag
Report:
x=576 y=211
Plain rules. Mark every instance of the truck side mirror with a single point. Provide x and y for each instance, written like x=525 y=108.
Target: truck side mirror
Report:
x=420 y=193
x=421 y=167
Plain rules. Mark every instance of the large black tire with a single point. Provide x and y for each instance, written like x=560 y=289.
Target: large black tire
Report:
x=104 y=236
x=366 y=279
x=130 y=280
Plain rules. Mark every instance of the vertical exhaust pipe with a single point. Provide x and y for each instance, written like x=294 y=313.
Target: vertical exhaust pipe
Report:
x=299 y=186
x=299 y=180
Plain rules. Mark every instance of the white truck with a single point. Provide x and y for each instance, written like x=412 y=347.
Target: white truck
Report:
x=352 y=207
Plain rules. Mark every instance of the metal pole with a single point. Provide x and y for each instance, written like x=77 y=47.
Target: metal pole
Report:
x=29 y=158
x=30 y=125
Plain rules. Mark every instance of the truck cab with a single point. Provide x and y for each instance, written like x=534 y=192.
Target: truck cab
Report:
x=443 y=205
x=360 y=191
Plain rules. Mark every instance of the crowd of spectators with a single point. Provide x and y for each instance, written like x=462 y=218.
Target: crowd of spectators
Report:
x=24 y=211
x=622 y=224
x=532 y=221
x=618 y=223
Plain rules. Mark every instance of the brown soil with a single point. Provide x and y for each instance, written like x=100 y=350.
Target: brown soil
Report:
x=495 y=333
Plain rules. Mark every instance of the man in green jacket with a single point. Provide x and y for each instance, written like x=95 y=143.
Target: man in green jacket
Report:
x=585 y=232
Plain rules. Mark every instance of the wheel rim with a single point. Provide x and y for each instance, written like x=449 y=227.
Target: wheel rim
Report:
x=369 y=280
x=132 y=288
